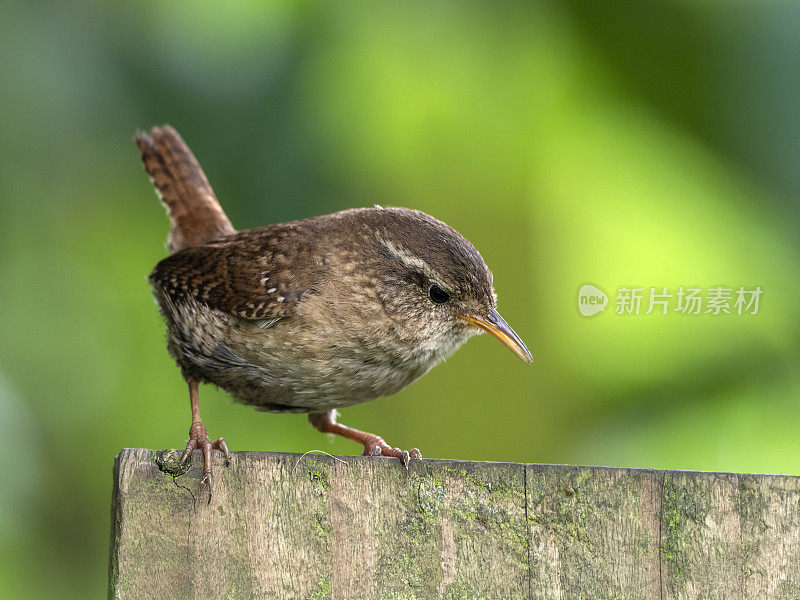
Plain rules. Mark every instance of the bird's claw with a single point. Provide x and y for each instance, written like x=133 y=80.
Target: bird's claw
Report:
x=208 y=480
x=198 y=439
x=223 y=447
x=381 y=448
x=190 y=446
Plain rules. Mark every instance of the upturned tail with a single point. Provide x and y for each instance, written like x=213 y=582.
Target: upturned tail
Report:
x=195 y=214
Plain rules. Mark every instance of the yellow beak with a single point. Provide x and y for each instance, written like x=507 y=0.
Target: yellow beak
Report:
x=494 y=324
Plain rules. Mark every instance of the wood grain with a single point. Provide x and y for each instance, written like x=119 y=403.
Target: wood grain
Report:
x=285 y=526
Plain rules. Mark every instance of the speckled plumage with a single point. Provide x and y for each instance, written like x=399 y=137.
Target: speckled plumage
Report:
x=311 y=315
x=321 y=313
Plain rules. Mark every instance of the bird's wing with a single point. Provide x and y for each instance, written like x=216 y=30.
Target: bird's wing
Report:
x=242 y=278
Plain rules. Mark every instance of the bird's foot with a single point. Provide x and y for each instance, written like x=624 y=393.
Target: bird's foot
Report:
x=198 y=439
x=378 y=447
x=374 y=445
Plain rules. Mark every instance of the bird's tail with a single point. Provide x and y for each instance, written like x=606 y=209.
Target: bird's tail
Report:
x=195 y=214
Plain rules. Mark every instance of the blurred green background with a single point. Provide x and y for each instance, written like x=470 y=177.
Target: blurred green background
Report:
x=639 y=144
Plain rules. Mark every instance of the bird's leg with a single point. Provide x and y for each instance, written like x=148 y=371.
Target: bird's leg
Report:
x=374 y=445
x=198 y=438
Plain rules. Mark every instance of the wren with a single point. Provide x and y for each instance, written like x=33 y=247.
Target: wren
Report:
x=309 y=316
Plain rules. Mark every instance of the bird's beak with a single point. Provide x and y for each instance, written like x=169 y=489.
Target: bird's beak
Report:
x=496 y=325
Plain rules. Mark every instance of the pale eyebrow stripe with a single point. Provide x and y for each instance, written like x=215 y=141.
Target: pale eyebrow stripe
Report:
x=408 y=259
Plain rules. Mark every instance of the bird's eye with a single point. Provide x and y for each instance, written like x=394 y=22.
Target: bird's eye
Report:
x=437 y=294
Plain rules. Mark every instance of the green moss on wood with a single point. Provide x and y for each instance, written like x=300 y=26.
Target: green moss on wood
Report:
x=280 y=525
x=169 y=462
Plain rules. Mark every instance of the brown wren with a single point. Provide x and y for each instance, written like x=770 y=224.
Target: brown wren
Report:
x=313 y=315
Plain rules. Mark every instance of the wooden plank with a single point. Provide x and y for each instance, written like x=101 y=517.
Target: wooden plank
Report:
x=284 y=527
x=318 y=527
x=770 y=518
x=594 y=532
x=701 y=542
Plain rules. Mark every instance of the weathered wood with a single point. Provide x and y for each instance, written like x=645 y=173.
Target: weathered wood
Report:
x=594 y=532
x=312 y=527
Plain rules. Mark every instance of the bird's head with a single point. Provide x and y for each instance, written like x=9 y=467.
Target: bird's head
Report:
x=433 y=282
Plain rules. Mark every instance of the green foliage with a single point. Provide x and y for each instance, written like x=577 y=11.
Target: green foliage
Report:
x=570 y=149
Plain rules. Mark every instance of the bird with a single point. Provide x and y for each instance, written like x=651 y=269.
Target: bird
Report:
x=314 y=315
